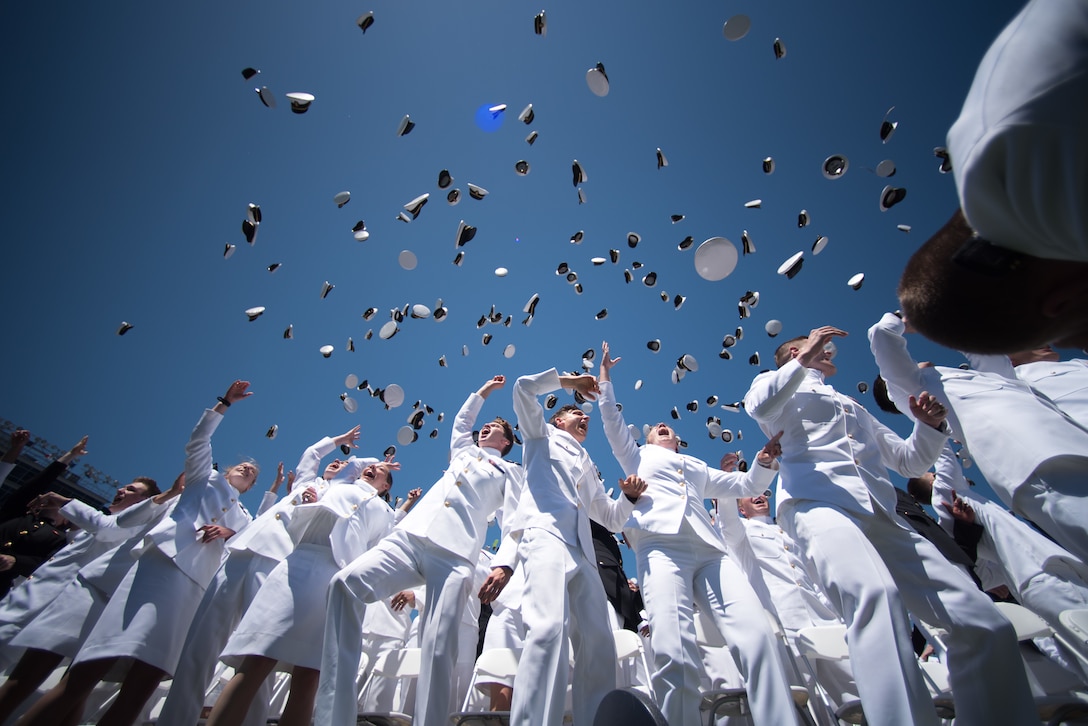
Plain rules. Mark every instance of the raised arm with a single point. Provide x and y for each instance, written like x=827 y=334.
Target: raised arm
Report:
x=198 y=452
x=465 y=421
x=17 y=503
x=912 y=456
x=757 y=479
x=619 y=437
x=898 y=369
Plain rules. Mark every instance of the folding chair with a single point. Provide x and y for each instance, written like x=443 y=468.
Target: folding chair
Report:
x=398 y=664
x=1060 y=697
x=497 y=663
x=733 y=702
x=828 y=642
x=1072 y=632
x=629 y=650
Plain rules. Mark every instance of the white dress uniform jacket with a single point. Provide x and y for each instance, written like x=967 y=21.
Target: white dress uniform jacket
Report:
x=555 y=546
x=1014 y=436
x=1063 y=382
x=836 y=502
x=252 y=555
x=208 y=499
x=437 y=544
x=98 y=533
x=670 y=523
x=563 y=487
x=833 y=450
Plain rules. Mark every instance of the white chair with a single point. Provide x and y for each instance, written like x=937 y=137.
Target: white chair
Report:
x=402 y=665
x=827 y=642
x=497 y=665
x=1060 y=697
x=733 y=702
x=629 y=652
x=1072 y=632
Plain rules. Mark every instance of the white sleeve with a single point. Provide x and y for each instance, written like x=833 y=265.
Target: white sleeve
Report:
x=771 y=392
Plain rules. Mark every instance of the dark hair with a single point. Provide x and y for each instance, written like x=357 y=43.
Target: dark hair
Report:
x=950 y=294
x=921 y=491
x=151 y=484
x=883 y=400
x=782 y=353
x=564 y=409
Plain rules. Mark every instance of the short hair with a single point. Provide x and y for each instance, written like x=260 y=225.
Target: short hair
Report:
x=782 y=353
x=920 y=490
x=564 y=409
x=883 y=400
x=965 y=308
x=151 y=484
x=508 y=432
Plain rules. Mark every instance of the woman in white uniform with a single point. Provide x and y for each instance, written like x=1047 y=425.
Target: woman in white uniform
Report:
x=147 y=618
x=285 y=624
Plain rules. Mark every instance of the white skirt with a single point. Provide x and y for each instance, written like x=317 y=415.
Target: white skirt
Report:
x=148 y=617
x=66 y=622
x=286 y=621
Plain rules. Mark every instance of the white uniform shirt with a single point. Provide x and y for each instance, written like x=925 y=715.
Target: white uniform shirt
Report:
x=362 y=519
x=1064 y=382
x=1009 y=430
x=453 y=513
x=208 y=499
x=267 y=535
x=562 y=486
x=677 y=483
x=833 y=450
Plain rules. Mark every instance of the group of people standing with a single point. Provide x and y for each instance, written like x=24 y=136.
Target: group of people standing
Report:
x=169 y=585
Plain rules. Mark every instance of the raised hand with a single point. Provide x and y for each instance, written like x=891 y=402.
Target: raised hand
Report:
x=494 y=384
x=770 y=451
x=237 y=391
x=607 y=361
x=729 y=461
x=927 y=409
x=348 y=438
x=812 y=350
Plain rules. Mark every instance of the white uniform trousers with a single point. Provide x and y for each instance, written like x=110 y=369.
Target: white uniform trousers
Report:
x=563 y=592
x=399 y=562
x=225 y=601
x=1055 y=499
x=870 y=567
x=677 y=573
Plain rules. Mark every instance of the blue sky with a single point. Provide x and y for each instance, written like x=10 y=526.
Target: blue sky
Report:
x=132 y=146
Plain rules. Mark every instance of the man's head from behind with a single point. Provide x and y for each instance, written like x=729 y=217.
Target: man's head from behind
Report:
x=968 y=294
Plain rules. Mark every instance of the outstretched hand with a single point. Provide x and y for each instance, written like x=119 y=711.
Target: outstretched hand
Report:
x=607 y=362
x=348 y=438
x=494 y=384
x=812 y=350
x=770 y=451
x=585 y=384
x=237 y=391
x=729 y=461
x=927 y=409
x=960 y=509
